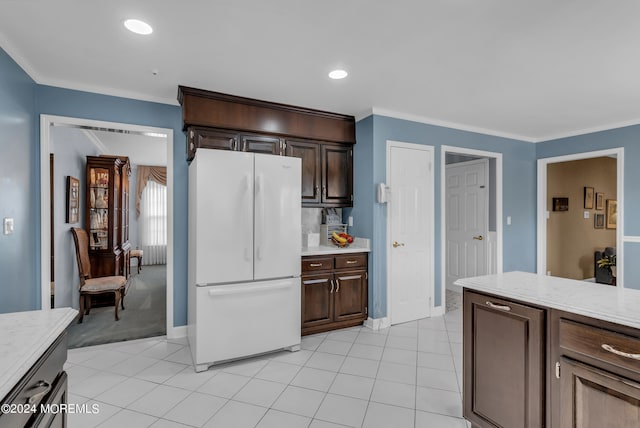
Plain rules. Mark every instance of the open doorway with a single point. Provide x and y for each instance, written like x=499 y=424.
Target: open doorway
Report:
x=149 y=302
x=580 y=211
x=471 y=192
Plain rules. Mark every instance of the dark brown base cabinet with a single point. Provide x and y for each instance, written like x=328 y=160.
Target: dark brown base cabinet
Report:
x=334 y=292
x=527 y=366
x=45 y=384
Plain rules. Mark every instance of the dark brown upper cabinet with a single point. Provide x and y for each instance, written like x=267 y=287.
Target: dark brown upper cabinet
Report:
x=261 y=144
x=327 y=172
x=210 y=139
x=323 y=140
x=309 y=152
x=337 y=175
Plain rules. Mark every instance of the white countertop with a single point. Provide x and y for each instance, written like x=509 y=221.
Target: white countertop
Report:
x=601 y=301
x=359 y=245
x=25 y=337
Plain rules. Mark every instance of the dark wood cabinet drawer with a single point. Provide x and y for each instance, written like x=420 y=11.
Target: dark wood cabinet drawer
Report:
x=38 y=384
x=600 y=344
x=317 y=264
x=349 y=261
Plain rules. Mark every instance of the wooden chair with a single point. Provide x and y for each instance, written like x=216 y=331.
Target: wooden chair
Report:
x=90 y=285
x=136 y=254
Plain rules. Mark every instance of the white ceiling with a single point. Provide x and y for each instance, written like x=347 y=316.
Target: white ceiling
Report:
x=528 y=69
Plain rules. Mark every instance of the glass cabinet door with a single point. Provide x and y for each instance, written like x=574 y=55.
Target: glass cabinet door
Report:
x=99 y=208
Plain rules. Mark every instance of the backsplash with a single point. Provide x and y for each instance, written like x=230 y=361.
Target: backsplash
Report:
x=311 y=219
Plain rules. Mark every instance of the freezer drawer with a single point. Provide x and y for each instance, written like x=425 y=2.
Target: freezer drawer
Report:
x=240 y=320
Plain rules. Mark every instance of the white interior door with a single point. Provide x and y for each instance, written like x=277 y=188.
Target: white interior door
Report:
x=467 y=199
x=410 y=233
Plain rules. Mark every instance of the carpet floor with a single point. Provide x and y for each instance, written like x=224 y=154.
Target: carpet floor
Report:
x=145 y=313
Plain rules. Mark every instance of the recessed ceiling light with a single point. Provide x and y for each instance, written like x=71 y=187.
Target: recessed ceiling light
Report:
x=338 y=74
x=138 y=27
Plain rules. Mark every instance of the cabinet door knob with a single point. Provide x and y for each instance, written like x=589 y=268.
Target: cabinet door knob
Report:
x=497 y=306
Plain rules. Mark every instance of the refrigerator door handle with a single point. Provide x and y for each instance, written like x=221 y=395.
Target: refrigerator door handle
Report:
x=260 y=213
x=226 y=291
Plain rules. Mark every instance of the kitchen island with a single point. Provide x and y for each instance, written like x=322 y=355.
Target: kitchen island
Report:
x=544 y=351
x=33 y=348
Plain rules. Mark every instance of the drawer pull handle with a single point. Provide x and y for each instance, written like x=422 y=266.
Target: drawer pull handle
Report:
x=620 y=353
x=351 y=262
x=496 y=306
x=35 y=398
x=315 y=264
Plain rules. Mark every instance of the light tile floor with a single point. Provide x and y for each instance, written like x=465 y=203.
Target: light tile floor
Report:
x=408 y=375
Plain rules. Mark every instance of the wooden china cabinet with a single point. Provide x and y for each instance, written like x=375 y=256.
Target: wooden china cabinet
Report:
x=107 y=214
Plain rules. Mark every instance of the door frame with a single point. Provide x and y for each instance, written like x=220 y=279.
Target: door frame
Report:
x=430 y=225
x=542 y=205
x=443 y=210
x=46 y=121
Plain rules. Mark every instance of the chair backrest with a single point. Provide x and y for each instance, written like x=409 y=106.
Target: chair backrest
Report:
x=81 y=239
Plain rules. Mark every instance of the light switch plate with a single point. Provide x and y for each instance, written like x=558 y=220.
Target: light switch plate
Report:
x=7 y=226
x=586 y=214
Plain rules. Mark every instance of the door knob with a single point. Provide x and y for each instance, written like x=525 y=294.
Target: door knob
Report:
x=396 y=244
x=479 y=237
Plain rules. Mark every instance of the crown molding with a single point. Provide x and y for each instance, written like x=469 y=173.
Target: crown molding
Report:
x=452 y=125
x=585 y=131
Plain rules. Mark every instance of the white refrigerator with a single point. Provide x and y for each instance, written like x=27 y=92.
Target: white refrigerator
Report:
x=244 y=255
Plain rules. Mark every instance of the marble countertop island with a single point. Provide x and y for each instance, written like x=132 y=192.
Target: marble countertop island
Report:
x=359 y=245
x=25 y=337
x=604 y=302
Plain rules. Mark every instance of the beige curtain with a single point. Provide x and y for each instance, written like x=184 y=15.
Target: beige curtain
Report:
x=146 y=173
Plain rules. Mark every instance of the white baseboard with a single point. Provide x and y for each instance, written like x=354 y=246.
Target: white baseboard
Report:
x=438 y=311
x=177 y=332
x=377 y=323
x=454 y=287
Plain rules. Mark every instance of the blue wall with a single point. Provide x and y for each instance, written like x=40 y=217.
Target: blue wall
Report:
x=519 y=194
x=19 y=283
x=628 y=138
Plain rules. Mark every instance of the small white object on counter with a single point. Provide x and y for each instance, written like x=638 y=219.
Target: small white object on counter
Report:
x=25 y=337
x=359 y=245
x=601 y=301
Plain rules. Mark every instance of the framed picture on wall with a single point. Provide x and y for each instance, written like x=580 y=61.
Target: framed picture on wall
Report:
x=73 y=199
x=612 y=213
x=588 y=198
x=598 y=221
x=599 y=200
x=560 y=204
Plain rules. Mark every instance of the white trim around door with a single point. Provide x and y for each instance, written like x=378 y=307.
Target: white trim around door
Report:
x=46 y=121
x=443 y=211
x=429 y=218
x=543 y=213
